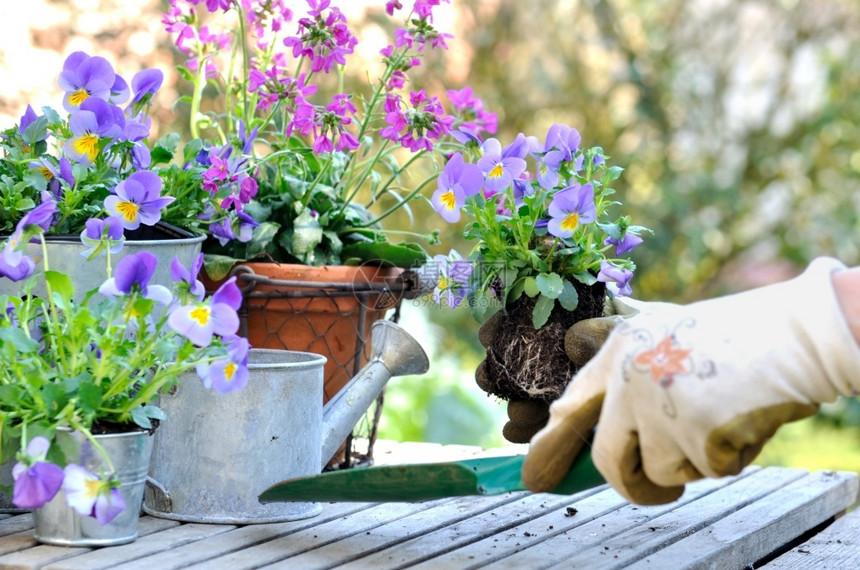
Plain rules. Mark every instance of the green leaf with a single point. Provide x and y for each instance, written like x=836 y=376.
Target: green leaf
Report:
x=569 y=298
x=585 y=277
x=542 y=311
x=612 y=173
x=516 y=291
x=10 y=395
x=89 y=396
x=37 y=130
x=54 y=398
x=612 y=230
x=10 y=439
x=18 y=339
x=307 y=233
x=550 y=284
x=61 y=284
x=262 y=238
x=530 y=286
x=479 y=303
x=218 y=266
x=154 y=412
x=138 y=416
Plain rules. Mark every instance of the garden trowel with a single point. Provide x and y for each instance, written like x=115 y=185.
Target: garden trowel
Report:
x=424 y=481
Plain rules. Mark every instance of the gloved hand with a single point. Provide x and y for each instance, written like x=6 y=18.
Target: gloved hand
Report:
x=581 y=342
x=694 y=391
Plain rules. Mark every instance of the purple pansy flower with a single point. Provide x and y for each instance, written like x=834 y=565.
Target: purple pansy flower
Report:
x=456 y=182
x=187 y=278
x=41 y=216
x=569 y=208
x=84 y=77
x=92 y=496
x=134 y=272
x=36 y=481
x=93 y=121
x=453 y=279
x=28 y=118
x=13 y=263
x=146 y=83
x=119 y=91
x=617 y=279
x=229 y=374
x=96 y=230
x=137 y=200
x=199 y=321
x=501 y=166
x=625 y=244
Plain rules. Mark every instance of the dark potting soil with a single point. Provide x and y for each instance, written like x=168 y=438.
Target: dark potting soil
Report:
x=527 y=364
x=102 y=428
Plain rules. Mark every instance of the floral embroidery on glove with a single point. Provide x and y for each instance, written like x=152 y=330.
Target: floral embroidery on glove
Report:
x=665 y=360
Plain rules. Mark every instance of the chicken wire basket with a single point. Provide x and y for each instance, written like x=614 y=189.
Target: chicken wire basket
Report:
x=324 y=315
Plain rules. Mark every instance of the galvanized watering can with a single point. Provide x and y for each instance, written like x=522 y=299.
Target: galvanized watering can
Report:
x=216 y=453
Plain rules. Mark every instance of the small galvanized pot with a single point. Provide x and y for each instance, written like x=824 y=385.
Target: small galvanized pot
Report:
x=57 y=523
x=65 y=255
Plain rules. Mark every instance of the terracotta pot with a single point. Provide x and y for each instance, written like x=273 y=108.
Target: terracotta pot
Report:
x=326 y=310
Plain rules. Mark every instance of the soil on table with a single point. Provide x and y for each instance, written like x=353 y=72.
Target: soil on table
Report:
x=527 y=364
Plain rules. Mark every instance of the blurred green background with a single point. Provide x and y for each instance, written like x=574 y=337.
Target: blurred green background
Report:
x=735 y=122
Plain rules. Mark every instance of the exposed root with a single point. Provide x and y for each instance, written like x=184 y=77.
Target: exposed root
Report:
x=528 y=364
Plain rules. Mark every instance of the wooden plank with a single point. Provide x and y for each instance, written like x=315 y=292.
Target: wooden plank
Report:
x=101 y=558
x=44 y=554
x=14 y=525
x=15 y=542
x=761 y=528
x=645 y=539
x=569 y=546
x=339 y=552
x=837 y=546
x=313 y=537
x=411 y=539
x=238 y=539
x=522 y=520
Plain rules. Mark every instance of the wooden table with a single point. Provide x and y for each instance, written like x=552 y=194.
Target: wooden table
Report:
x=778 y=518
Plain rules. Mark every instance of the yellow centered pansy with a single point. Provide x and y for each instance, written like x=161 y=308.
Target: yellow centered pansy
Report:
x=92 y=487
x=230 y=371
x=128 y=210
x=78 y=97
x=448 y=200
x=570 y=222
x=201 y=315
x=87 y=144
x=46 y=173
x=496 y=172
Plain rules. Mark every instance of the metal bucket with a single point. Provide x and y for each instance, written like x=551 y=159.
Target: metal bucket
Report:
x=215 y=453
x=64 y=255
x=57 y=523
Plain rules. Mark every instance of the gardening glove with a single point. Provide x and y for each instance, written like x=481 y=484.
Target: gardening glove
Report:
x=695 y=391
x=582 y=341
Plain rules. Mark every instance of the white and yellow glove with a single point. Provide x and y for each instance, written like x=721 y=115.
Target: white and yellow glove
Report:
x=686 y=392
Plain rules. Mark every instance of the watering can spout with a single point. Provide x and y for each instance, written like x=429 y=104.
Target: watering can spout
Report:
x=394 y=352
